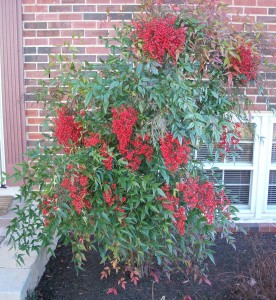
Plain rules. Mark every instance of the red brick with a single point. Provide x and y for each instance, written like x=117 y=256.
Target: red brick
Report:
x=108 y=24
x=35 y=74
x=24 y=2
x=35 y=120
x=84 y=8
x=123 y=1
x=35 y=8
x=59 y=25
x=28 y=17
x=266 y=19
x=228 y=2
x=30 y=82
x=37 y=105
x=108 y=8
x=255 y=10
x=40 y=41
x=243 y=18
x=97 y=1
x=271 y=27
x=272 y=228
x=31 y=112
x=96 y=33
x=58 y=41
x=29 y=33
x=70 y=16
x=84 y=24
x=245 y=2
x=72 y=32
x=30 y=66
x=33 y=128
x=48 y=33
x=73 y=1
x=263 y=99
x=60 y=8
x=264 y=228
x=97 y=50
x=257 y=107
x=84 y=41
x=46 y=17
x=268 y=3
x=35 y=136
x=236 y=10
x=43 y=113
x=35 y=25
x=48 y=1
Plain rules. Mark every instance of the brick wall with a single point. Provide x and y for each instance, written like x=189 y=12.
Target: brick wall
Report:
x=48 y=23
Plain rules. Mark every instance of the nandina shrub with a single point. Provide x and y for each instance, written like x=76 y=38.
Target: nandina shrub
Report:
x=118 y=173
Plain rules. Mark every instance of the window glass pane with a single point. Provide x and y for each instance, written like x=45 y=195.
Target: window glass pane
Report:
x=214 y=176
x=237 y=177
x=247 y=132
x=239 y=193
x=236 y=182
x=271 y=198
x=203 y=153
x=273 y=149
x=244 y=154
x=274 y=133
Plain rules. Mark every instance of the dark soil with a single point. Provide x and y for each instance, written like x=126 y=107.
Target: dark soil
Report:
x=231 y=276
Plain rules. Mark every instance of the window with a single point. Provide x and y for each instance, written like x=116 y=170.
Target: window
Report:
x=249 y=176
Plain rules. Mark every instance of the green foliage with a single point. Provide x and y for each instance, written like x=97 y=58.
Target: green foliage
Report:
x=194 y=98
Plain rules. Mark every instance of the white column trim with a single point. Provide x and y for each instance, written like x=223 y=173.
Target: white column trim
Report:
x=2 y=141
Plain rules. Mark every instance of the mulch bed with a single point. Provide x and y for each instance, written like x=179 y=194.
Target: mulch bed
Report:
x=231 y=274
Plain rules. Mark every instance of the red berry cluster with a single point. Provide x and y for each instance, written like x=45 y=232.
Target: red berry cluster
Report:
x=123 y=122
x=110 y=198
x=235 y=139
x=139 y=147
x=180 y=219
x=93 y=140
x=160 y=37
x=77 y=186
x=202 y=196
x=45 y=207
x=170 y=202
x=108 y=159
x=66 y=130
x=173 y=153
x=248 y=63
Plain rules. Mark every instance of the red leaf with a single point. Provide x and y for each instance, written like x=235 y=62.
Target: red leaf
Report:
x=207 y=281
x=187 y=297
x=135 y=280
x=155 y=276
x=112 y=290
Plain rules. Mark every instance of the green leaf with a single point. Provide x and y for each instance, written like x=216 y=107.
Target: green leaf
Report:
x=88 y=98
x=105 y=217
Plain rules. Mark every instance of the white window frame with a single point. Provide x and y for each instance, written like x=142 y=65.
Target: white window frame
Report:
x=263 y=209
